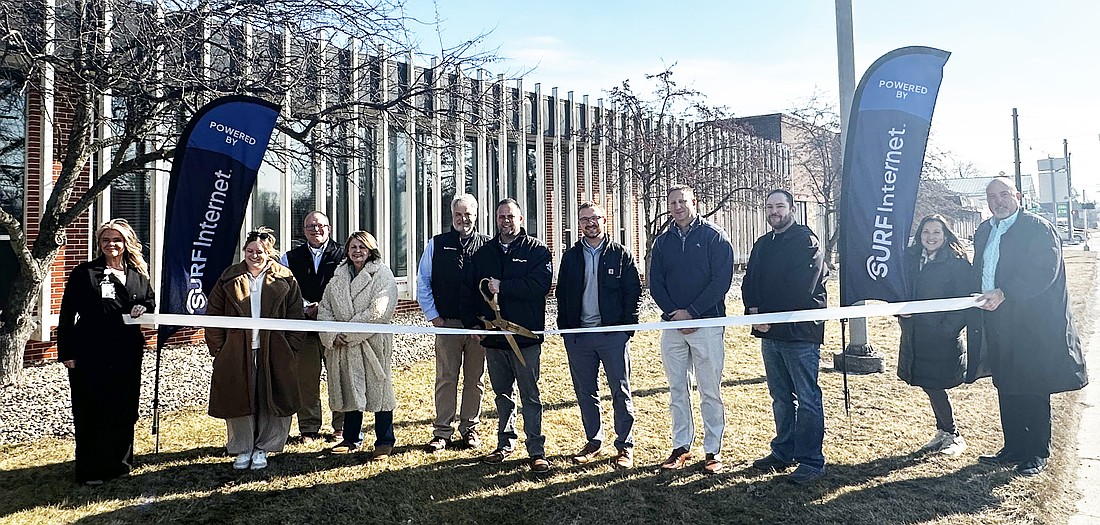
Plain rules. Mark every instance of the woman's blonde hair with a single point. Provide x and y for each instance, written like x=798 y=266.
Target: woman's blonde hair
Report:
x=368 y=240
x=265 y=236
x=131 y=252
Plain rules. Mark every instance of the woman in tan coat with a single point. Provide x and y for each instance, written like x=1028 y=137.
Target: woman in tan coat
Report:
x=255 y=386
x=360 y=375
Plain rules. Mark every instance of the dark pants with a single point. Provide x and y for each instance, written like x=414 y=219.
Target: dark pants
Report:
x=383 y=428
x=941 y=407
x=585 y=353
x=1025 y=420
x=105 y=408
x=506 y=375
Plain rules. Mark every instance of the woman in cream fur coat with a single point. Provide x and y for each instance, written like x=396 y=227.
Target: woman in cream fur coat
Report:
x=360 y=375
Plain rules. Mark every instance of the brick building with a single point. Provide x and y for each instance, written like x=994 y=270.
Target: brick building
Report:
x=547 y=150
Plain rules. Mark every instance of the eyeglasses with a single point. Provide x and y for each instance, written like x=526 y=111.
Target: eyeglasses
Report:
x=316 y=226
x=594 y=219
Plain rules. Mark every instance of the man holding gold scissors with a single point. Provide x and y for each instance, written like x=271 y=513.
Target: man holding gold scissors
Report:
x=505 y=289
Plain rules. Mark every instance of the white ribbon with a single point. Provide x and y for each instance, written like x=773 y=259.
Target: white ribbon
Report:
x=819 y=314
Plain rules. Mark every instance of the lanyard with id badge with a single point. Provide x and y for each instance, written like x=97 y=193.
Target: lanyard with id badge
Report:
x=106 y=288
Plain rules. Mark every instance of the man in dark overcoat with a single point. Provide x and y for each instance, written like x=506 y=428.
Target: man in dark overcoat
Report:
x=1026 y=338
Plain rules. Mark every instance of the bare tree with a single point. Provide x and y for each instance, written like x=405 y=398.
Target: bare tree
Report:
x=942 y=164
x=674 y=137
x=934 y=196
x=158 y=62
x=816 y=153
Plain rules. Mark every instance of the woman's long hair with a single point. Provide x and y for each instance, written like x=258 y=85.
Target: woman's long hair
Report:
x=950 y=240
x=368 y=240
x=131 y=252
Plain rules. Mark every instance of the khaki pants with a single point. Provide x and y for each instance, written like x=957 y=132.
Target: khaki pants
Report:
x=310 y=356
x=455 y=353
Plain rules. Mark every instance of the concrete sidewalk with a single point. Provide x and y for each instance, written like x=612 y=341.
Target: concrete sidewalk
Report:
x=1088 y=447
x=1088 y=436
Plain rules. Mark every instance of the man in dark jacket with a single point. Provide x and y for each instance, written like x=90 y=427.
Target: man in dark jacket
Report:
x=691 y=268
x=313 y=264
x=442 y=266
x=598 y=285
x=1026 y=336
x=517 y=270
x=786 y=272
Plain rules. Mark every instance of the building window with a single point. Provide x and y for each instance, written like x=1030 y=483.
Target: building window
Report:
x=130 y=195
x=447 y=190
x=399 y=202
x=551 y=122
x=131 y=191
x=337 y=198
x=530 y=114
x=492 y=156
x=568 y=117
x=366 y=191
x=423 y=195
x=302 y=190
x=567 y=184
x=532 y=192
x=268 y=195
x=469 y=163
x=512 y=185
x=13 y=161
x=13 y=144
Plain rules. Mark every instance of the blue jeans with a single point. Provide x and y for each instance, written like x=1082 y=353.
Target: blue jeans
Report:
x=383 y=428
x=505 y=375
x=792 y=369
x=585 y=353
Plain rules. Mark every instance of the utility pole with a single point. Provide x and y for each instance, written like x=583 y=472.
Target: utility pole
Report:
x=858 y=356
x=1069 y=190
x=1016 y=148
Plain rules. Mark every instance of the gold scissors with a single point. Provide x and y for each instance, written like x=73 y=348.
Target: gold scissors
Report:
x=501 y=324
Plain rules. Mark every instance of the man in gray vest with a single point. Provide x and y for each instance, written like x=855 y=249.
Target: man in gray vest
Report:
x=437 y=290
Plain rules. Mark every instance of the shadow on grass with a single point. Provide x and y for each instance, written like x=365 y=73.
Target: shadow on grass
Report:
x=572 y=402
x=199 y=486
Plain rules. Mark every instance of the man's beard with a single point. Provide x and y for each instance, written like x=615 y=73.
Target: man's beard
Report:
x=783 y=222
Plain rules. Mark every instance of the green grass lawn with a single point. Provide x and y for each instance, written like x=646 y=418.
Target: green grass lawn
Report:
x=873 y=473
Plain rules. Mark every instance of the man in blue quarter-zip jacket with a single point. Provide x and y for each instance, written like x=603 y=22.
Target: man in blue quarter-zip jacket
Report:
x=691 y=268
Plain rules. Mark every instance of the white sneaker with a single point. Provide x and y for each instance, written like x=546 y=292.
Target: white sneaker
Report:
x=953 y=445
x=242 y=461
x=936 y=443
x=259 y=459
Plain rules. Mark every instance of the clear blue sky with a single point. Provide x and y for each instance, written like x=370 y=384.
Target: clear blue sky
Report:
x=763 y=57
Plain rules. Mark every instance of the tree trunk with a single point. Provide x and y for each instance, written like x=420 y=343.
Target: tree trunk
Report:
x=17 y=324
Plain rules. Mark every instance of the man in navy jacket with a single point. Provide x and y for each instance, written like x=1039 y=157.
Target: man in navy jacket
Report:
x=598 y=285
x=517 y=268
x=691 y=268
x=1025 y=336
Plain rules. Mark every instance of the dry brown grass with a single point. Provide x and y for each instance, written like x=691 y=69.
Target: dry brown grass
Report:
x=873 y=476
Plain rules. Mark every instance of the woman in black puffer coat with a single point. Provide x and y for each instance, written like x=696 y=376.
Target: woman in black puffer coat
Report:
x=932 y=353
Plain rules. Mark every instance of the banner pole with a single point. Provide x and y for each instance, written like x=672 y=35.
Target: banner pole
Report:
x=844 y=371
x=156 y=400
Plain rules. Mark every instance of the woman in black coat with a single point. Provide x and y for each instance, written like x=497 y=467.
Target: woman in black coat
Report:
x=102 y=353
x=932 y=353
